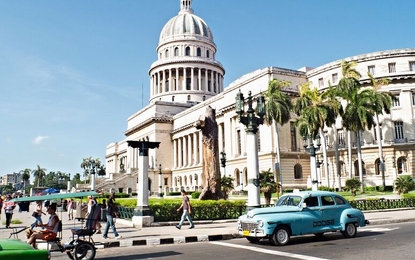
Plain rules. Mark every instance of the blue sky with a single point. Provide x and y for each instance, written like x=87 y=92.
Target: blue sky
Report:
x=72 y=72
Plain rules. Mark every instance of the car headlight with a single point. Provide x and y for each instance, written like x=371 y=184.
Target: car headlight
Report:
x=260 y=223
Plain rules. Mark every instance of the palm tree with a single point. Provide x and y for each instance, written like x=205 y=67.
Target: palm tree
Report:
x=267 y=184
x=317 y=110
x=352 y=185
x=25 y=176
x=86 y=165
x=277 y=109
x=383 y=103
x=404 y=184
x=358 y=116
x=39 y=174
x=226 y=184
x=345 y=87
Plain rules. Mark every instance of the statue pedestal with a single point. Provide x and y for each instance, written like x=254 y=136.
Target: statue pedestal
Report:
x=142 y=221
x=142 y=217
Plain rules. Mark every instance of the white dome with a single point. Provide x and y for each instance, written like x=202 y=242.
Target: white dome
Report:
x=185 y=25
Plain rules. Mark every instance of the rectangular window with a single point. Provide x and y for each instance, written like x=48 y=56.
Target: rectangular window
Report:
x=166 y=181
x=392 y=67
x=371 y=70
x=334 y=78
x=293 y=135
x=413 y=99
x=320 y=82
x=340 y=137
x=396 y=103
x=398 y=130
x=412 y=66
x=375 y=132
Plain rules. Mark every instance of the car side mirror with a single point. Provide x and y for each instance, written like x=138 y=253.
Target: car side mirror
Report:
x=304 y=205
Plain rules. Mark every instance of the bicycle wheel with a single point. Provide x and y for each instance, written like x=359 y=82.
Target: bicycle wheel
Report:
x=84 y=251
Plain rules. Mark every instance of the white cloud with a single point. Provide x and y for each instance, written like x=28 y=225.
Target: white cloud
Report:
x=39 y=139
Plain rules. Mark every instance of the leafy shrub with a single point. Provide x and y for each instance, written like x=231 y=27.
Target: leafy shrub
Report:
x=325 y=188
x=196 y=194
x=408 y=196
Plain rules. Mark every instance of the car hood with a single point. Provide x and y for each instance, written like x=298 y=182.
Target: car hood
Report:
x=272 y=210
x=13 y=244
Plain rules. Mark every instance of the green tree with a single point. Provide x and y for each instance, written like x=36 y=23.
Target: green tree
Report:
x=226 y=184
x=383 y=103
x=267 y=184
x=39 y=173
x=277 y=109
x=404 y=184
x=347 y=84
x=359 y=116
x=353 y=185
x=316 y=110
x=25 y=177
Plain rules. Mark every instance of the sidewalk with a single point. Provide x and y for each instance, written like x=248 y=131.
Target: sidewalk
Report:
x=167 y=233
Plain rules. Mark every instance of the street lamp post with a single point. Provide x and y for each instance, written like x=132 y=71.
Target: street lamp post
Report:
x=223 y=162
x=310 y=148
x=93 y=175
x=318 y=164
x=252 y=122
x=160 y=195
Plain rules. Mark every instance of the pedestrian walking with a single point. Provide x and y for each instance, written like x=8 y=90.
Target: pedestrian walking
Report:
x=37 y=214
x=111 y=214
x=8 y=209
x=71 y=206
x=1 y=205
x=187 y=210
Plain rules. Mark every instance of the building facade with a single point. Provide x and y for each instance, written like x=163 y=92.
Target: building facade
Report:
x=186 y=79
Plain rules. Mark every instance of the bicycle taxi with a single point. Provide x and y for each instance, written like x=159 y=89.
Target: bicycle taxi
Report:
x=80 y=244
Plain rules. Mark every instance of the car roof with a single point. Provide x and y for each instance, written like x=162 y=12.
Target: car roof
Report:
x=313 y=193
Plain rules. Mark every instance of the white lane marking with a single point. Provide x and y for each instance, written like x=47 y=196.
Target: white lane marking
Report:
x=266 y=251
x=378 y=229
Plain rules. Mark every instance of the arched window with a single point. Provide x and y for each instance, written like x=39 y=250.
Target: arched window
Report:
x=356 y=168
x=377 y=166
x=167 y=53
x=298 y=171
x=402 y=165
x=207 y=54
x=176 y=51
x=199 y=52
x=187 y=52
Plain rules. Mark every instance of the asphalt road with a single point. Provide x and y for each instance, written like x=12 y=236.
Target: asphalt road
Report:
x=383 y=242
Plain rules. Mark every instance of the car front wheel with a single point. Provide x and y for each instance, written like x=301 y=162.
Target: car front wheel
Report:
x=350 y=231
x=281 y=236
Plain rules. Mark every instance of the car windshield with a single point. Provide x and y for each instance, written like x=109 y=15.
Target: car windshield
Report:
x=291 y=200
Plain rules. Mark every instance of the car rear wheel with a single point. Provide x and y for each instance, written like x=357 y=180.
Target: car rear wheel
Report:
x=253 y=239
x=281 y=236
x=350 y=231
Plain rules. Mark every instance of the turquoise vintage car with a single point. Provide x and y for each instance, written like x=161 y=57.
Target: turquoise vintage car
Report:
x=19 y=250
x=301 y=213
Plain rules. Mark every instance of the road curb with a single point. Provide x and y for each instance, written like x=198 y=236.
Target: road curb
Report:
x=172 y=240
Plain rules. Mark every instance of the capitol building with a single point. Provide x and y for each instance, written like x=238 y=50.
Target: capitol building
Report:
x=186 y=78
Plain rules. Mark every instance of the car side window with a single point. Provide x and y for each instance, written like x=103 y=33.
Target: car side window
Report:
x=327 y=200
x=339 y=201
x=311 y=201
